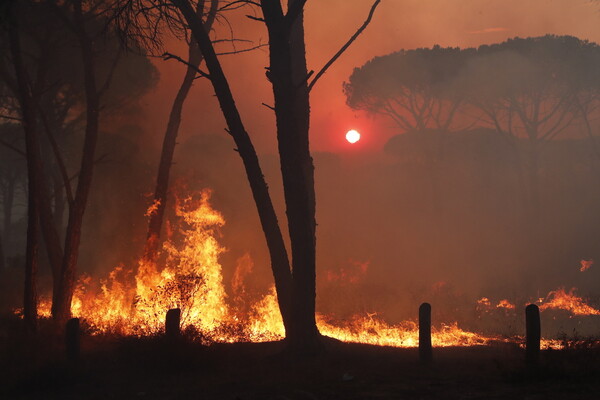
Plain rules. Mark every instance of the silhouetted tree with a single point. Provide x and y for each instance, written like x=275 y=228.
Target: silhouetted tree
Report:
x=170 y=138
x=417 y=89
x=528 y=88
x=28 y=119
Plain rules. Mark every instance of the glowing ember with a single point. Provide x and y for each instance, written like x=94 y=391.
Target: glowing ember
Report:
x=560 y=299
x=352 y=136
x=153 y=208
x=585 y=265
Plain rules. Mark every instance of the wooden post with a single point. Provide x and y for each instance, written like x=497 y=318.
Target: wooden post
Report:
x=533 y=334
x=172 y=323
x=72 y=339
x=425 y=351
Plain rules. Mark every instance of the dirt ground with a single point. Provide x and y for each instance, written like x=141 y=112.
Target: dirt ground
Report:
x=154 y=368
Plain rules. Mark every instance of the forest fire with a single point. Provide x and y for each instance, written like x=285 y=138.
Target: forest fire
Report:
x=192 y=281
x=136 y=304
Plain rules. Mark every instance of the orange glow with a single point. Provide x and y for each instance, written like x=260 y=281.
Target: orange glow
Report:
x=352 y=136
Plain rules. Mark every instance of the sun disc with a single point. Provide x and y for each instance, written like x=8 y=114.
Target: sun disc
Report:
x=352 y=136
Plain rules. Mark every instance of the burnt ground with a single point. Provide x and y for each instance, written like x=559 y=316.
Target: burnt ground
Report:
x=154 y=368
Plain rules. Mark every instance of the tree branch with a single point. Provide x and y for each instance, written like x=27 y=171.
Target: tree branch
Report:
x=345 y=46
x=169 y=56
x=13 y=148
x=10 y=118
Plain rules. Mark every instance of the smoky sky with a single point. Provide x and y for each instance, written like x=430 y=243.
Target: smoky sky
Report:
x=397 y=24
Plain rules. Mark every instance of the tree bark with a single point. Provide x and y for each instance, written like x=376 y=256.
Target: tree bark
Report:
x=170 y=139
x=288 y=77
x=33 y=170
x=260 y=192
x=61 y=302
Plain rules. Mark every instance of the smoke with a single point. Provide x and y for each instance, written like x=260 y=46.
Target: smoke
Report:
x=449 y=236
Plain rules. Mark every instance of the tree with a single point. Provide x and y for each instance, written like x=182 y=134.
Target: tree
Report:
x=170 y=138
x=527 y=88
x=417 y=89
x=28 y=119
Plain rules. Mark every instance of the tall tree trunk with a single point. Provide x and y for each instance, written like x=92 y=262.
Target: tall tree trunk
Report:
x=33 y=170
x=61 y=302
x=170 y=139
x=292 y=111
x=2 y=256
x=268 y=218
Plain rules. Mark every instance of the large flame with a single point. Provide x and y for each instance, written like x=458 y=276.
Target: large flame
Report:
x=135 y=301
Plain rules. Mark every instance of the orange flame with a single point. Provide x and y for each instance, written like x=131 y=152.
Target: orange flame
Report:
x=505 y=304
x=560 y=299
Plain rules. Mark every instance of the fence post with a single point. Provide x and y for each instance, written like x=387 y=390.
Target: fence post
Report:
x=425 y=351
x=172 y=323
x=533 y=334
x=72 y=345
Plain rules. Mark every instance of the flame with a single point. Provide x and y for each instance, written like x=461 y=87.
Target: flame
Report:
x=352 y=274
x=560 y=299
x=244 y=267
x=153 y=208
x=483 y=302
x=505 y=304
x=134 y=301
x=585 y=265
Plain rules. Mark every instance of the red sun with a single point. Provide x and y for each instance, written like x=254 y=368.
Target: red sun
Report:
x=352 y=136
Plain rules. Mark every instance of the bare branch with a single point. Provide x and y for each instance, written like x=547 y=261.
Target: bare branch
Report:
x=10 y=118
x=252 y=17
x=169 y=56
x=238 y=4
x=345 y=46
x=268 y=106
x=13 y=148
x=243 y=50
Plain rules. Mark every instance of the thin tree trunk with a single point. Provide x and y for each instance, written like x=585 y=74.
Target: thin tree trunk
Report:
x=260 y=192
x=170 y=139
x=33 y=171
x=61 y=304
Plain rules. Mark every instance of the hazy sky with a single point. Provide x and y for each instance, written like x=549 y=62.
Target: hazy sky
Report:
x=329 y=23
